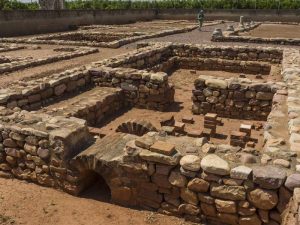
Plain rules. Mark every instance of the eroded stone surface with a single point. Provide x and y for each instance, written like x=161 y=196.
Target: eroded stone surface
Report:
x=215 y=165
x=269 y=177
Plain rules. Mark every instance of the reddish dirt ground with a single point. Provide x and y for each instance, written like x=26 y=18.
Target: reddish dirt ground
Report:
x=42 y=52
x=184 y=84
x=57 y=67
x=275 y=31
x=29 y=204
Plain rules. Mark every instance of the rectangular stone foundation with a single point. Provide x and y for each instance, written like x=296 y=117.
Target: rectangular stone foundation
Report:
x=93 y=105
x=234 y=98
x=216 y=187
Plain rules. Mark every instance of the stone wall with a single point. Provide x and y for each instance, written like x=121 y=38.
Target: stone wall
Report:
x=158 y=56
x=236 y=66
x=182 y=176
x=37 y=147
x=143 y=58
x=234 y=36
x=232 y=14
x=97 y=39
x=21 y=22
x=156 y=172
x=272 y=55
x=140 y=88
x=291 y=73
x=14 y=64
x=292 y=213
x=274 y=41
x=31 y=95
x=235 y=97
x=93 y=105
x=10 y=47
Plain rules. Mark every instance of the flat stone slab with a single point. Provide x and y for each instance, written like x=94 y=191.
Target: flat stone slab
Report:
x=163 y=148
x=269 y=177
x=293 y=181
x=241 y=173
x=215 y=165
x=160 y=158
x=235 y=193
x=108 y=150
x=216 y=83
x=190 y=162
x=188 y=119
x=144 y=142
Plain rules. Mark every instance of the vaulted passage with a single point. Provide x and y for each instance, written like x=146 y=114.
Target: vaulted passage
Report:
x=95 y=187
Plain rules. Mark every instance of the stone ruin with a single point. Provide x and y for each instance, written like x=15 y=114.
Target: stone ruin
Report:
x=11 y=64
x=145 y=166
x=108 y=36
x=233 y=35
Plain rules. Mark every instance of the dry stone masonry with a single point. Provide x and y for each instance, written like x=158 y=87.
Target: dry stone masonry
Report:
x=233 y=36
x=98 y=39
x=10 y=47
x=234 y=97
x=199 y=186
x=45 y=138
x=13 y=64
x=37 y=147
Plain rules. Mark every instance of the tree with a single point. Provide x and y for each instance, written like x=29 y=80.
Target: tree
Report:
x=3 y=3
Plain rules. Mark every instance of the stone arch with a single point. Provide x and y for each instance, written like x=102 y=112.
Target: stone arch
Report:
x=102 y=157
x=95 y=186
x=136 y=127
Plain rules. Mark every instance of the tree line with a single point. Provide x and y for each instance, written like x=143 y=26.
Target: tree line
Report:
x=160 y=4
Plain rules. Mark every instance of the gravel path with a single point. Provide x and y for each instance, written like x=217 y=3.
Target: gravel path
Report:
x=204 y=37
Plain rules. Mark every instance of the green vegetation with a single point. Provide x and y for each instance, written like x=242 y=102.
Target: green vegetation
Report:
x=162 y=4
x=14 y=4
x=185 y=4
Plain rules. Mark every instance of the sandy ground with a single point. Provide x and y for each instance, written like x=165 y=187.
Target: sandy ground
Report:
x=275 y=30
x=30 y=204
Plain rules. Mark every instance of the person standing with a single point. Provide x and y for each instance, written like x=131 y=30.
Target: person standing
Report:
x=200 y=18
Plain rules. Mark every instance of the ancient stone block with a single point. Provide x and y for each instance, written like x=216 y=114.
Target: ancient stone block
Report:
x=269 y=177
x=262 y=198
x=163 y=148
x=215 y=165
x=228 y=192
x=198 y=185
x=190 y=162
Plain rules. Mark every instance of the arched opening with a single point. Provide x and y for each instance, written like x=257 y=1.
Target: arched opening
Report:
x=95 y=187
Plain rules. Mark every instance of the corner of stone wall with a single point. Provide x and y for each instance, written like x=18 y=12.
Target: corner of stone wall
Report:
x=291 y=215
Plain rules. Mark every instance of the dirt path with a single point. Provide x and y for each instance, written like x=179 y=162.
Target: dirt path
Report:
x=204 y=37
x=30 y=204
x=59 y=66
x=275 y=30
